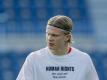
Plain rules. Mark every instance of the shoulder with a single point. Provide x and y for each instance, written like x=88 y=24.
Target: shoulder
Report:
x=81 y=55
x=37 y=54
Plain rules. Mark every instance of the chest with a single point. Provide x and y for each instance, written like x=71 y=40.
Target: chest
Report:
x=60 y=70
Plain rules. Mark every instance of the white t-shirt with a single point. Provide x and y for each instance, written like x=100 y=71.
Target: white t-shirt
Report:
x=43 y=65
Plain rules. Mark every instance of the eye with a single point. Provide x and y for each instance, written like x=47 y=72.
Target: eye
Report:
x=54 y=35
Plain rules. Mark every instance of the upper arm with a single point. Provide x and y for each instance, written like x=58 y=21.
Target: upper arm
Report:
x=26 y=72
x=91 y=72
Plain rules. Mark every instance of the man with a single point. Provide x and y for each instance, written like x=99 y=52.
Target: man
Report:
x=59 y=60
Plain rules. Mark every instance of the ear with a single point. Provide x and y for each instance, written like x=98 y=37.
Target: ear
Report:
x=67 y=37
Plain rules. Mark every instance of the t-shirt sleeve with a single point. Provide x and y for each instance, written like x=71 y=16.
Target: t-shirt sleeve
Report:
x=91 y=72
x=26 y=72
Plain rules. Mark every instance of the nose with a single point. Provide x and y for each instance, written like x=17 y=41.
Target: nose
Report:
x=50 y=38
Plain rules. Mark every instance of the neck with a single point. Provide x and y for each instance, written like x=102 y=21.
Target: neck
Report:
x=60 y=52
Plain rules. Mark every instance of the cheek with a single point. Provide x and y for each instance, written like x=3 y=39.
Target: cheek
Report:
x=46 y=37
x=60 y=41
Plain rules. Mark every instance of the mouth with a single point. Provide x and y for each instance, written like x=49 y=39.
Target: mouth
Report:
x=51 y=44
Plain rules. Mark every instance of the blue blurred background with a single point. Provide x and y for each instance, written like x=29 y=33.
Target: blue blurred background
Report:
x=22 y=30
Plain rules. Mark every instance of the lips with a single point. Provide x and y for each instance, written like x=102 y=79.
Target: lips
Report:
x=51 y=44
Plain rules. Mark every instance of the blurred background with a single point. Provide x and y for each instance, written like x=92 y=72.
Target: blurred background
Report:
x=22 y=30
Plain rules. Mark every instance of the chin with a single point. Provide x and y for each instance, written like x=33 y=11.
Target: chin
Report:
x=52 y=48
